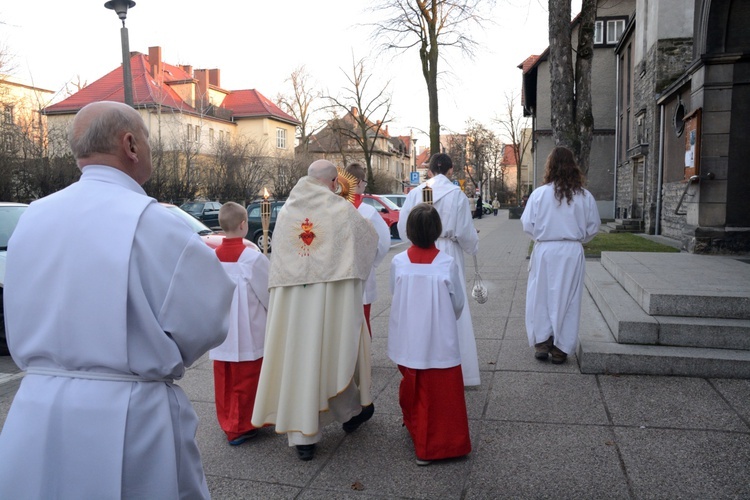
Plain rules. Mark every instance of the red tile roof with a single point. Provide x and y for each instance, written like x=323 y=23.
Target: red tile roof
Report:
x=147 y=93
x=251 y=103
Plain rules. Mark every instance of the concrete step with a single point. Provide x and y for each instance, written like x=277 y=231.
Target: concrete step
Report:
x=599 y=353
x=684 y=284
x=630 y=324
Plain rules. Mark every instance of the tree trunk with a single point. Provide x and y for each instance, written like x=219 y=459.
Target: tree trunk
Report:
x=428 y=53
x=561 y=74
x=583 y=112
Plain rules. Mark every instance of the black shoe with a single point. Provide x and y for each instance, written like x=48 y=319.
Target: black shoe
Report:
x=353 y=423
x=305 y=451
x=542 y=349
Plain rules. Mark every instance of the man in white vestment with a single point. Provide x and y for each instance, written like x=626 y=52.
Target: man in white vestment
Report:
x=459 y=236
x=316 y=367
x=108 y=298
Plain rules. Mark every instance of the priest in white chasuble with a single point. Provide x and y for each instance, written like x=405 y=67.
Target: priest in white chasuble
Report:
x=316 y=368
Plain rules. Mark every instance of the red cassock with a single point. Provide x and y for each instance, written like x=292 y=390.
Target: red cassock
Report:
x=235 y=386
x=432 y=401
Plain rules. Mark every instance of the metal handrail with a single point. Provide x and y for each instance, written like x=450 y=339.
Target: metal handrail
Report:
x=690 y=181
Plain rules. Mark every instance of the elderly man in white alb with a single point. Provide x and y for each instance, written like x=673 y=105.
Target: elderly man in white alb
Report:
x=108 y=298
x=459 y=236
x=316 y=367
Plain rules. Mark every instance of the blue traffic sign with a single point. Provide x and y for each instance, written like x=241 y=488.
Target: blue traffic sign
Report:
x=414 y=178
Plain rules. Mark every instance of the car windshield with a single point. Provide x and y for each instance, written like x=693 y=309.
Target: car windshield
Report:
x=8 y=219
x=388 y=203
x=194 y=223
x=193 y=208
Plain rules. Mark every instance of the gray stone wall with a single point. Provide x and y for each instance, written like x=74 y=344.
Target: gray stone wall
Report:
x=663 y=64
x=672 y=225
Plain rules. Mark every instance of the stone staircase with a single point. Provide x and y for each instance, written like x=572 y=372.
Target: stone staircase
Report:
x=666 y=314
x=622 y=226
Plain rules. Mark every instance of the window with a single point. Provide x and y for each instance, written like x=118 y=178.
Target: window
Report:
x=614 y=30
x=281 y=138
x=8 y=114
x=189 y=133
x=197 y=134
x=211 y=136
x=607 y=31
x=598 y=32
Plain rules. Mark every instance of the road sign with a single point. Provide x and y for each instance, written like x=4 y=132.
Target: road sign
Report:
x=414 y=178
x=455 y=182
x=462 y=182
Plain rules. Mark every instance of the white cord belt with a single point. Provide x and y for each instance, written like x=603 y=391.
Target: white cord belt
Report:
x=109 y=377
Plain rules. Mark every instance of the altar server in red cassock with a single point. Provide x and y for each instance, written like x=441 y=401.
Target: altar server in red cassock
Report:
x=238 y=360
x=428 y=297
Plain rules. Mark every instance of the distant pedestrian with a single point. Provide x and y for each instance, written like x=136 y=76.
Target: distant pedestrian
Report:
x=480 y=207
x=428 y=297
x=495 y=206
x=560 y=216
x=238 y=360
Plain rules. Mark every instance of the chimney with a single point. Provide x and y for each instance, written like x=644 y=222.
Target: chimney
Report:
x=355 y=111
x=154 y=58
x=187 y=69
x=213 y=77
x=201 y=94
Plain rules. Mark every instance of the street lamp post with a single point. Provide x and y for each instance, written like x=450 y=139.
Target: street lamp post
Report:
x=121 y=8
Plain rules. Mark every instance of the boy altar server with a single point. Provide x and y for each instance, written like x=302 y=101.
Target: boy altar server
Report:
x=238 y=360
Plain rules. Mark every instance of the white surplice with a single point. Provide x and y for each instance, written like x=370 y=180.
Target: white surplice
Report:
x=557 y=264
x=459 y=236
x=108 y=297
x=384 y=244
x=247 y=327
x=428 y=339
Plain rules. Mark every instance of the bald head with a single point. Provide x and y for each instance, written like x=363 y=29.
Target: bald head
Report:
x=325 y=172
x=113 y=134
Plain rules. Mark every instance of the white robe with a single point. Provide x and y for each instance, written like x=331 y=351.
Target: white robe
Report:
x=384 y=244
x=557 y=264
x=427 y=300
x=108 y=298
x=459 y=236
x=247 y=327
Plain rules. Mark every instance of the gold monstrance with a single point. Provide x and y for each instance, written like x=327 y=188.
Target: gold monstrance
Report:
x=427 y=195
x=265 y=219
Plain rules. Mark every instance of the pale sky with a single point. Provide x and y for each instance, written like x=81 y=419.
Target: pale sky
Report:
x=257 y=45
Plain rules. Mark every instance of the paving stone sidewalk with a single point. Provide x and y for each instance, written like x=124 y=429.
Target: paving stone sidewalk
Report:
x=538 y=430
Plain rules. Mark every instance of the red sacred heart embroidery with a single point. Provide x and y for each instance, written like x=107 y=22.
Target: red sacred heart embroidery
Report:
x=307 y=236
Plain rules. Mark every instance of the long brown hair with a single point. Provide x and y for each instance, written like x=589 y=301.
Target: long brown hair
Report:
x=562 y=170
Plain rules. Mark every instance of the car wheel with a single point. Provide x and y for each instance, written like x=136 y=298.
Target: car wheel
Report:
x=394 y=231
x=487 y=211
x=260 y=241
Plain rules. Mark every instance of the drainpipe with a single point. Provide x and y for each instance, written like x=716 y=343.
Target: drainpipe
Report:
x=660 y=179
x=617 y=137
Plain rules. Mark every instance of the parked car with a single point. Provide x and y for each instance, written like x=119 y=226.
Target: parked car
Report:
x=398 y=199
x=9 y=215
x=211 y=237
x=486 y=208
x=205 y=211
x=255 y=226
x=387 y=209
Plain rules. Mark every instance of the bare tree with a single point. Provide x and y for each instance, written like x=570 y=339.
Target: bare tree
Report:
x=572 y=119
x=430 y=26
x=512 y=125
x=366 y=115
x=237 y=170
x=300 y=104
x=74 y=86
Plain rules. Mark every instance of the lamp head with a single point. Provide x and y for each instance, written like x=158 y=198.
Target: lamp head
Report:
x=121 y=7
